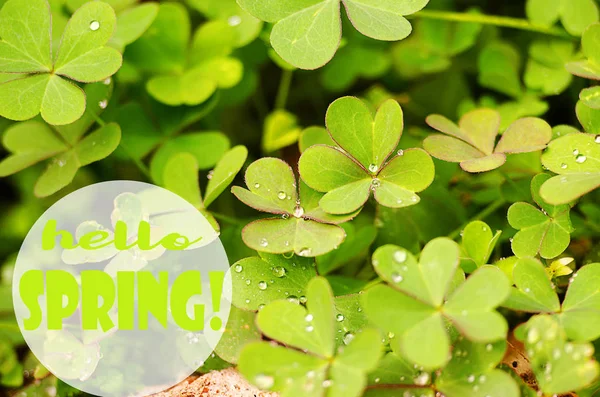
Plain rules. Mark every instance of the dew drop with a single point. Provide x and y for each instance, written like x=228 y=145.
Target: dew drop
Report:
x=299 y=212
x=234 y=20
x=279 y=271
x=339 y=317
x=597 y=139
x=309 y=328
x=327 y=383
x=94 y=25
x=471 y=378
x=564 y=166
x=305 y=251
x=264 y=242
x=489 y=347
x=281 y=195
x=285 y=216
x=103 y=104
x=348 y=337
x=581 y=159
x=400 y=256
x=293 y=299
x=400 y=152
x=248 y=282
x=262 y=285
x=576 y=152
x=397 y=278
x=309 y=317
x=302 y=299
x=373 y=168
x=256 y=185
x=422 y=379
x=375 y=183
x=264 y=382
x=238 y=268
x=107 y=81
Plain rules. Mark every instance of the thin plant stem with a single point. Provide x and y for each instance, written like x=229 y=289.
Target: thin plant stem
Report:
x=284 y=89
x=226 y=218
x=487 y=211
x=500 y=21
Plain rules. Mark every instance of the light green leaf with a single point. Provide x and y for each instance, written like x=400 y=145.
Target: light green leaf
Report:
x=29 y=142
x=207 y=147
x=577 y=15
x=314 y=136
x=471 y=305
x=559 y=366
x=285 y=278
x=382 y=20
x=21 y=99
x=325 y=168
x=589 y=68
x=477 y=244
x=271 y=187
x=304 y=237
x=133 y=22
x=181 y=177
x=533 y=292
x=543 y=12
x=580 y=314
x=496 y=382
x=280 y=130
x=564 y=155
x=63 y=102
x=499 y=68
x=310 y=199
x=591 y=97
x=191 y=88
x=438 y=263
x=240 y=331
x=525 y=135
x=81 y=55
x=308 y=329
x=225 y=171
x=369 y=140
x=288 y=371
x=25 y=32
x=348 y=198
x=309 y=38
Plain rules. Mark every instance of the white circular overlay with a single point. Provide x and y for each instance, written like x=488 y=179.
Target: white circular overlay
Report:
x=122 y=289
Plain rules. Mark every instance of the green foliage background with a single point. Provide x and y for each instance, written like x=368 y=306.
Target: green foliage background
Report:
x=414 y=182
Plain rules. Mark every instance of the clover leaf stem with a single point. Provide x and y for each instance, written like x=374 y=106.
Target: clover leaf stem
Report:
x=487 y=211
x=506 y=22
x=284 y=89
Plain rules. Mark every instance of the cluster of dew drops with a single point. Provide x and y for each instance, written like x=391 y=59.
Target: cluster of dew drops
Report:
x=580 y=158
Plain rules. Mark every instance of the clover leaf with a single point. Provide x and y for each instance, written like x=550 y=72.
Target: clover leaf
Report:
x=181 y=176
x=269 y=277
x=303 y=227
x=280 y=130
x=559 y=366
x=362 y=163
x=472 y=142
x=546 y=231
x=589 y=68
x=31 y=142
x=307 y=33
x=534 y=292
x=575 y=15
x=309 y=364
x=422 y=296
x=477 y=245
x=45 y=84
x=499 y=66
x=194 y=69
x=576 y=158
x=545 y=72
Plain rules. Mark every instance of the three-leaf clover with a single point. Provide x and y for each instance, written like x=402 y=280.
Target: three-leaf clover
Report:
x=576 y=159
x=590 y=67
x=575 y=15
x=559 y=366
x=579 y=313
x=546 y=231
x=302 y=228
x=423 y=296
x=545 y=71
x=307 y=33
x=31 y=142
x=44 y=82
x=186 y=72
x=363 y=163
x=472 y=142
x=309 y=364
x=180 y=175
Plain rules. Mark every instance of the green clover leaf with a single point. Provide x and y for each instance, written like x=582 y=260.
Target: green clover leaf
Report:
x=575 y=15
x=534 y=292
x=576 y=159
x=546 y=231
x=589 y=68
x=240 y=330
x=186 y=72
x=280 y=130
x=362 y=163
x=477 y=245
x=545 y=72
x=31 y=142
x=559 y=366
x=245 y=26
x=499 y=66
x=45 y=86
x=315 y=368
x=181 y=177
x=307 y=33
x=303 y=227
x=472 y=142
x=423 y=296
